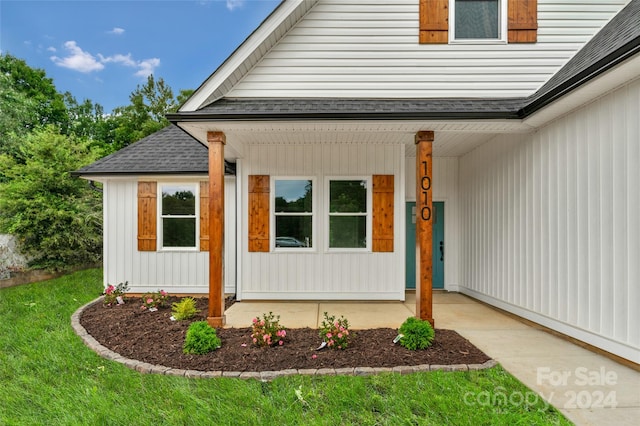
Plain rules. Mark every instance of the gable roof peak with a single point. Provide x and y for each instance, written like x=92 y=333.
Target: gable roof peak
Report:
x=262 y=39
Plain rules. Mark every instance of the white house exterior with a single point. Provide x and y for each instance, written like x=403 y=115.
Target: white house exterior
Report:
x=536 y=161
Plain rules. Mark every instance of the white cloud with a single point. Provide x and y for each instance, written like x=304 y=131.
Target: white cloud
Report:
x=78 y=59
x=118 y=59
x=52 y=49
x=147 y=67
x=234 y=4
x=116 y=31
x=82 y=61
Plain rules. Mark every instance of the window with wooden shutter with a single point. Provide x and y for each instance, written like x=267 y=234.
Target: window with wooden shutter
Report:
x=383 y=211
x=478 y=20
x=434 y=21
x=147 y=216
x=259 y=213
x=523 y=21
x=204 y=216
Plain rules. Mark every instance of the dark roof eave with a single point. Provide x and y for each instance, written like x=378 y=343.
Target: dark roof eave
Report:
x=322 y=116
x=80 y=173
x=596 y=69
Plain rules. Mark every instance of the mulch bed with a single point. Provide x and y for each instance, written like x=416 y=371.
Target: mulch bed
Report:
x=154 y=338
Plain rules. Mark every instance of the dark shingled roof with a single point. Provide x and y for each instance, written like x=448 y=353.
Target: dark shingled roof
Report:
x=345 y=109
x=168 y=151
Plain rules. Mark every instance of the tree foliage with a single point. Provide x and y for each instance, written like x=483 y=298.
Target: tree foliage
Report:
x=146 y=113
x=33 y=83
x=56 y=217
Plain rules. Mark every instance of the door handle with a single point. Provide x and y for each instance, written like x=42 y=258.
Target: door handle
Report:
x=441 y=251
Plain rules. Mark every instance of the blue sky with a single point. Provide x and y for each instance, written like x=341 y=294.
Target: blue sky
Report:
x=101 y=50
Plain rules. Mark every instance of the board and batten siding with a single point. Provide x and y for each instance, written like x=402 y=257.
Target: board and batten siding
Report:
x=445 y=189
x=550 y=223
x=172 y=271
x=323 y=275
x=370 y=49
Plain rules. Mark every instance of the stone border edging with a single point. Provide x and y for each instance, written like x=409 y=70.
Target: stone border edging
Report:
x=144 y=367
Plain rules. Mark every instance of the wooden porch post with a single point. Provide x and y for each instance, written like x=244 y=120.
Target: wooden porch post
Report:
x=216 y=142
x=424 y=225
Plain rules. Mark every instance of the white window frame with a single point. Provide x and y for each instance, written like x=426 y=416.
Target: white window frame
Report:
x=273 y=214
x=160 y=234
x=328 y=214
x=502 y=27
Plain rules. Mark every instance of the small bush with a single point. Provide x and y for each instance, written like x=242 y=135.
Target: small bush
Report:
x=200 y=339
x=335 y=332
x=184 y=309
x=267 y=331
x=416 y=334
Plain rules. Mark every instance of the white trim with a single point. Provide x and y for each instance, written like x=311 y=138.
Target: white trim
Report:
x=160 y=217
x=272 y=216
x=502 y=26
x=626 y=351
x=315 y=296
x=240 y=227
x=368 y=214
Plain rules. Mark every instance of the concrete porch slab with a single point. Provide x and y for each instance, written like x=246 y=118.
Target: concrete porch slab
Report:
x=367 y=315
x=292 y=314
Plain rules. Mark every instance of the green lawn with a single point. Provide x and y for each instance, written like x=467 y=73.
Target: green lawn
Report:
x=48 y=376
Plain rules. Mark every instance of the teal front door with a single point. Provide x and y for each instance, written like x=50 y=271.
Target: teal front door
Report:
x=438 y=245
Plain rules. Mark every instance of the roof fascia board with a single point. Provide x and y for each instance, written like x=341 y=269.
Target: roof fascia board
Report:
x=243 y=52
x=340 y=116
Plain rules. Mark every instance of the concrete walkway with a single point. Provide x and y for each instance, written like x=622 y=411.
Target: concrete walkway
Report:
x=583 y=385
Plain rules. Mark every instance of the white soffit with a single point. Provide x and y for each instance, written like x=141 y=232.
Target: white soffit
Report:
x=452 y=138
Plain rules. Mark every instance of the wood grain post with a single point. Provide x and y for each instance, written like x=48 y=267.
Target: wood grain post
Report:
x=216 y=142
x=424 y=225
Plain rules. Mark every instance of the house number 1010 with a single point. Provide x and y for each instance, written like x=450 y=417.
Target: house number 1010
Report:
x=425 y=185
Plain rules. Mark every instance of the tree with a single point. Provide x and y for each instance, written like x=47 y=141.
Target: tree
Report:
x=17 y=114
x=33 y=83
x=57 y=218
x=146 y=113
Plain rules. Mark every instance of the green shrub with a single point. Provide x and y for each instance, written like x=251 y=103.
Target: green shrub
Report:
x=416 y=334
x=200 y=339
x=184 y=309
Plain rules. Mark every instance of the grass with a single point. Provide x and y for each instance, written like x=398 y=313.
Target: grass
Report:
x=48 y=376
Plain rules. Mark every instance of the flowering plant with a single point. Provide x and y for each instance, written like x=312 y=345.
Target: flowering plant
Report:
x=267 y=331
x=112 y=293
x=153 y=300
x=335 y=332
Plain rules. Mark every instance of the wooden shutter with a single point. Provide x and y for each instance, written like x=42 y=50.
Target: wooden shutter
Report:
x=204 y=216
x=259 y=213
x=147 y=217
x=383 y=209
x=434 y=21
x=523 y=21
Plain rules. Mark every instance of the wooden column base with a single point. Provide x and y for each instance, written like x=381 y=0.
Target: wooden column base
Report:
x=217 y=322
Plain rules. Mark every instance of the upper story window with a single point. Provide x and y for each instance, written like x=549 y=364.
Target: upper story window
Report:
x=473 y=21
x=478 y=19
x=349 y=214
x=178 y=215
x=293 y=213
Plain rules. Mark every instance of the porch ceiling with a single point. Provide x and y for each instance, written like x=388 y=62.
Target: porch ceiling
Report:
x=452 y=138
